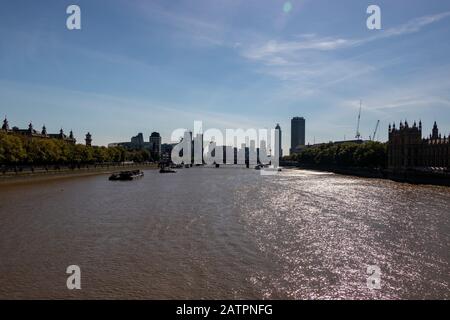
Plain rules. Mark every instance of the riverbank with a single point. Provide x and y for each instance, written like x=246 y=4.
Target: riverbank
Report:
x=43 y=175
x=400 y=175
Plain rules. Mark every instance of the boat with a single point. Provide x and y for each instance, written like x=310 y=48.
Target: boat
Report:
x=271 y=170
x=167 y=170
x=126 y=175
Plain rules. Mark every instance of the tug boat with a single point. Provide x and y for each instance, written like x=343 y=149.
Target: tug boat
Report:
x=165 y=168
x=126 y=175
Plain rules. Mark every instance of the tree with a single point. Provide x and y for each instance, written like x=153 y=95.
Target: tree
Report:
x=42 y=151
x=101 y=154
x=369 y=154
x=17 y=149
x=12 y=150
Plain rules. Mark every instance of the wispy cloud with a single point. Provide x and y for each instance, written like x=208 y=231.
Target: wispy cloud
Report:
x=275 y=52
x=307 y=65
x=203 y=32
x=424 y=97
x=414 y=25
x=269 y=71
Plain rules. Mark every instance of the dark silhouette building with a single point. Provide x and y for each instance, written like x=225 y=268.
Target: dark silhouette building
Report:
x=88 y=139
x=155 y=143
x=298 y=128
x=166 y=151
x=138 y=141
x=407 y=148
x=280 y=141
x=30 y=132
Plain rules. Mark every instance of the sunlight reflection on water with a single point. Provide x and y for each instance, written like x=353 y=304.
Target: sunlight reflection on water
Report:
x=225 y=233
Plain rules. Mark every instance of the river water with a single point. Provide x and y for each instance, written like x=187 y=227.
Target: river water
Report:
x=227 y=233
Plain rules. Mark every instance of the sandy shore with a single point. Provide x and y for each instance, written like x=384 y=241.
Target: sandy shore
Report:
x=65 y=174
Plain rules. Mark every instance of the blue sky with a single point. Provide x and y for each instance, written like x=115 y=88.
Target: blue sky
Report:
x=143 y=66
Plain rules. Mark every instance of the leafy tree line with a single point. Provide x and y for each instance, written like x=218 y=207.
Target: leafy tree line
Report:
x=15 y=150
x=369 y=155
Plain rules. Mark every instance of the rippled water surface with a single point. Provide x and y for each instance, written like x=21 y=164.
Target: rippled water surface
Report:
x=225 y=233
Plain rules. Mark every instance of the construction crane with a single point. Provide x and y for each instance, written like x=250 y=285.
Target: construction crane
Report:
x=358 y=134
x=375 y=131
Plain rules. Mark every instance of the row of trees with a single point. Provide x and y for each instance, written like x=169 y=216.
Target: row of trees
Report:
x=15 y=149
x=369 y=155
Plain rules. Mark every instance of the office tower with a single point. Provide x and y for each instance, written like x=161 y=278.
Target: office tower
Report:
x=138 y=141
x=280 y=141
x=297 y=133
x=155 y=143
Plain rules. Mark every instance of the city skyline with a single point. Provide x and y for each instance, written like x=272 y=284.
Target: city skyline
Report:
x=155 y=139
x=227 y=157
x=239 y=65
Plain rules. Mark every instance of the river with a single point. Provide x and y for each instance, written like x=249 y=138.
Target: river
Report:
x=226 y=233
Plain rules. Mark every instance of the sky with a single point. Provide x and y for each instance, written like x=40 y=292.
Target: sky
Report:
x=144 y=66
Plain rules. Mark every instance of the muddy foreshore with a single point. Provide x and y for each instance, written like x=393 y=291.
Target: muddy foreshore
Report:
x=25 y=177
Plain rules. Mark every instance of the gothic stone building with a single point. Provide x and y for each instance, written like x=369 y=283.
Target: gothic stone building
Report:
x=32 y=133
x=407 y=148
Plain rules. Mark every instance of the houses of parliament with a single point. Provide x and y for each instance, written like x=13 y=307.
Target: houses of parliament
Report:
x=407 y=148
x=32 y=133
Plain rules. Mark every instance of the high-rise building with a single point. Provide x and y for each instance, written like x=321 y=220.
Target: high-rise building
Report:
x=198 y=148
x=297 y=134
x=280 y=141
x=155 y=143
x=138 y=141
